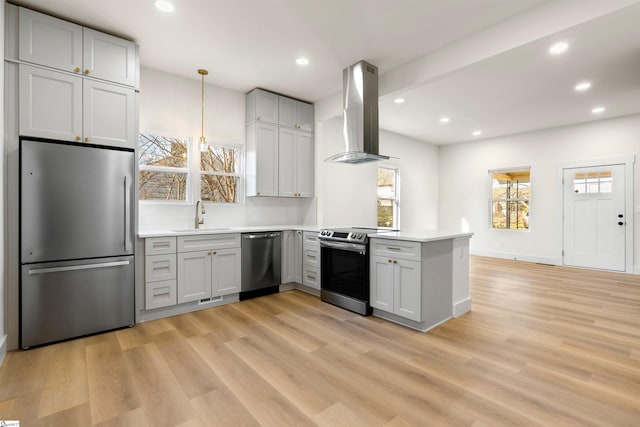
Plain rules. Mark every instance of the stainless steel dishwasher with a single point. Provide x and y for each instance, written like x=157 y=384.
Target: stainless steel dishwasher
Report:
x=261 y=264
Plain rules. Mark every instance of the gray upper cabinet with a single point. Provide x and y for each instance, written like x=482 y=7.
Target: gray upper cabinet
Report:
x=59 y=44
x=109 y=58
x=262 y=106
x=49 y=41
x=295 y=114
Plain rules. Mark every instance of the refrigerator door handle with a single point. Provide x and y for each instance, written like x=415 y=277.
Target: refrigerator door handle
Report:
x=127 y=215
x=77 y=267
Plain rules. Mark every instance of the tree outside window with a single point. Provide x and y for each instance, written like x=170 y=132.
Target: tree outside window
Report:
x=166 y=166
x=511 y=194
x=388 y=203
x=163 y=167
x=219 y=174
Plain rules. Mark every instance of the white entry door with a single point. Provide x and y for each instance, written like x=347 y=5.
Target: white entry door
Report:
x=595 y=217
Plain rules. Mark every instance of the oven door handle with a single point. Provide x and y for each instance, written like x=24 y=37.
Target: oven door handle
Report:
x=352 y=247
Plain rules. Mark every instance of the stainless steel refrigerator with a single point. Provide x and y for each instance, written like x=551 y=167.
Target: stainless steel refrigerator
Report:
x=76 y=240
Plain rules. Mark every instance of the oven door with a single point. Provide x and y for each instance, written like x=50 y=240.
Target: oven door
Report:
x=345 y=269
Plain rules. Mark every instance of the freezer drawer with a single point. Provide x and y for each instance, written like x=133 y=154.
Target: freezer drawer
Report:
x=69 y=299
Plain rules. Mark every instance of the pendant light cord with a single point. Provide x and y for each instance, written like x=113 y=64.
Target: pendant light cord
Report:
x=202 y=73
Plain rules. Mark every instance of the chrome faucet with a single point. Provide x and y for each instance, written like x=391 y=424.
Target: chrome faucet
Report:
x=198 y=219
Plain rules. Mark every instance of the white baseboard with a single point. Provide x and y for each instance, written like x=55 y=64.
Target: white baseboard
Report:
x=3 y=348
x=461 y=307
x=636 y=269
x=518 y=257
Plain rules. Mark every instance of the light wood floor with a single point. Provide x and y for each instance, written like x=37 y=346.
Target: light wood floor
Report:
x=543 y=346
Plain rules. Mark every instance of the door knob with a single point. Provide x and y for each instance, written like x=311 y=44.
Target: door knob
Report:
x=620 y=216
x=620 y=223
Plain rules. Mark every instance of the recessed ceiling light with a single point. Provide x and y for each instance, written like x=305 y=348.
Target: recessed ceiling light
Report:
x=444 y=119
x=582 y=86
x=477 y=133
x=399 y=100
x=597 y=110
x=302 y=61
x=164 y=6
x=558 y=48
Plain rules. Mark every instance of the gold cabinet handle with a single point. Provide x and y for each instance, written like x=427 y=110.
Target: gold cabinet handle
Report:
x=78 y=138
x=87 y=71
x=208 y=253
x=77 y=69
x=258 y=118
x=87 y=139
x=215 y=253
x=258 y=193
x=388 y=260
x=395 y=262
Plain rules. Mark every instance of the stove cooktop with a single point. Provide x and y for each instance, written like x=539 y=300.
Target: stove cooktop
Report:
x=353 y=234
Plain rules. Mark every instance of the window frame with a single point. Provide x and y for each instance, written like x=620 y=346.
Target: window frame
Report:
x=238 y=174
x=395 y=200
x=167 y=169
x=509 y=200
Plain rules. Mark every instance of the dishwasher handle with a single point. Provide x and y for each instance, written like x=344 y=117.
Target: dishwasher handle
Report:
x=261 y=236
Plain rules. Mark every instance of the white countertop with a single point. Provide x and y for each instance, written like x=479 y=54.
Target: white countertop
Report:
x=225 y=230
x=409 y=235
x=421 y=236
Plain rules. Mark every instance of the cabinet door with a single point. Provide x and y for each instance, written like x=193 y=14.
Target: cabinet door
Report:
x=297 y=257
x=381 y=283
x=262 y=106
x=266 y=160
x=304 y=116
x=287 y=113
x=49 y=41
x=287 y=153
x=304 y=165
x=226 y=272
x=109 y=114
x=50 y=104
x=109 y=58
x=194 y=276
x=407 y=298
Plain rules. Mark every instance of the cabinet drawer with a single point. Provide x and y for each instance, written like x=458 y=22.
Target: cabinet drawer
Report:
x=159 y=245
x=311 y=256
x=311 y=238
x=396 y=249
x=311 y=277
x=205 y=242
x=160 y=294
x=159 y=267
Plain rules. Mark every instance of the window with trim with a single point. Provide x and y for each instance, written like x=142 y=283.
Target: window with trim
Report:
x=510 y=198
x=163 y=167
x=167 y=165
x=220 y=174
x=388 y=197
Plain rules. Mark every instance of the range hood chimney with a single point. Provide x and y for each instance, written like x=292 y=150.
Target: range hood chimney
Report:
x=360 y=101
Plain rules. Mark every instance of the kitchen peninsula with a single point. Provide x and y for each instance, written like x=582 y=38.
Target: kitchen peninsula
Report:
x=418 y=279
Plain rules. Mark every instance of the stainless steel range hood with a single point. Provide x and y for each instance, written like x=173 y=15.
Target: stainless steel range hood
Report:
x=360 y=100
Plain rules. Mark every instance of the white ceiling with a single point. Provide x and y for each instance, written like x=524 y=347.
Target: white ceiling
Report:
x=253 y=43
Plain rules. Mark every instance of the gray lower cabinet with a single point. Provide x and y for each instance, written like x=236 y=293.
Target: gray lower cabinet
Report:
x=160 y=272
x=411 y=282
x=311 y=259
x=210 y=272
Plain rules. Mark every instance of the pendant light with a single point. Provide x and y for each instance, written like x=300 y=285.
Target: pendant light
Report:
x=203 y=142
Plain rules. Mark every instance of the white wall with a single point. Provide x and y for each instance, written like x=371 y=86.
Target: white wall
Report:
x=465 y=191
x=347 y=193
x=172 y=104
